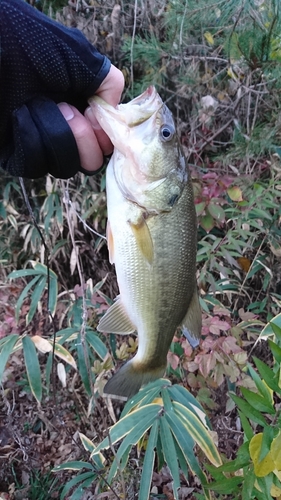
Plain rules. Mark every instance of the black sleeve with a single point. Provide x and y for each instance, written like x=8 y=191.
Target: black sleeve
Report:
x=42 y=63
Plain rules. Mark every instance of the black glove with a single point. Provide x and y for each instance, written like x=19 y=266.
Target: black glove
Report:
x=42 y=63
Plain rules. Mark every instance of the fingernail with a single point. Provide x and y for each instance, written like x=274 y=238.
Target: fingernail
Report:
x=94 y=122
x=66 y=110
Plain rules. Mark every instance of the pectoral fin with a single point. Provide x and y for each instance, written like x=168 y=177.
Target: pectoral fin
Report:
x=192 y=323
x=143 y=238
x=116 y=320
x=110 y=243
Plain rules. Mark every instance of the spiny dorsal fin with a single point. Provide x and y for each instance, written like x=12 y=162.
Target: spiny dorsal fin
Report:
x=192 y=323
x=116 y=320
x=143 y=238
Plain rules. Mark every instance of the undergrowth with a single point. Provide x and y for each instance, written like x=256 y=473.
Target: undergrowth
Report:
x=217 y=66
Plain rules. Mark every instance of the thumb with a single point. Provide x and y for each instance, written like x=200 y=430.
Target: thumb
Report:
x=112 y=86
x=110 y=91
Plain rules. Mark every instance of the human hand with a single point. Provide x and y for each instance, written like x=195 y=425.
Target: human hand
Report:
x=92 y=142
x=44 y=63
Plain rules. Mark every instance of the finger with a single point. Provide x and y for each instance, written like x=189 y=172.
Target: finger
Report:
x=112 y=86
x=103 y=139
x=90 y=152
x=110 y=91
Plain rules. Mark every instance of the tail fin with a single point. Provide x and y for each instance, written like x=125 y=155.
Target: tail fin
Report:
x=129 y=379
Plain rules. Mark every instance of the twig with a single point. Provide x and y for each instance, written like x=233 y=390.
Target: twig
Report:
x=31 y=213
x=249 y=270
x=182 y=21
x=132 y=44
x=118 y=467
x=68 y=206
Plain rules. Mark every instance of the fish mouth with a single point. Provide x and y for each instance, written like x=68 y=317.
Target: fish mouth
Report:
x=131 y=114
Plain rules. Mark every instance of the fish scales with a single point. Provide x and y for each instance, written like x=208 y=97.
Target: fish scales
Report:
x=152 y=241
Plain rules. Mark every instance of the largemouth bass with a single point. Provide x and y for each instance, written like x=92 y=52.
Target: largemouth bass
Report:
x=151 y=236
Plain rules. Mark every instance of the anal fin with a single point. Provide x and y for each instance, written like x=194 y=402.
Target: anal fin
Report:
x=192 y=323
x=116 y=320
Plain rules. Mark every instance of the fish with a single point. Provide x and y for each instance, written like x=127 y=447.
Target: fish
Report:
x=151 y=237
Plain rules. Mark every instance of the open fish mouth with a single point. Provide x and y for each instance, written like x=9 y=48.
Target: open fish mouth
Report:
x=133 y=113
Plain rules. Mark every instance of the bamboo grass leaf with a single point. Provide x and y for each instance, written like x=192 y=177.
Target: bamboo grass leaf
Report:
x=6 y=351
x=96 y=343
x=83 y=365
x=170 y=454
x=24 y=294
x=128 y=422
x=36 y=296
x=198 y=432
x=148 y=463
x=32 y=368
x=186 y=444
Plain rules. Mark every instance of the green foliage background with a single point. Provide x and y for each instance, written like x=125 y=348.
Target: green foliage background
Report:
x=217 y=66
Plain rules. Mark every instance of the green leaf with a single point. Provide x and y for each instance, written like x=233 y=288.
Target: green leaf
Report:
x=128 y=422
x=96 y=343
x=167 y=403
x=198 y=432
x=207 y=222
x=6 y=351
x=78 y=493
x=226 y=486
x=53 y=295
x=184 y=397
x=148 y=393
x=248 y=483
x=23 y=295
x=43 y=269
x=276 y=351
x=73 y=465
x=248 y=410
x=242 y=460
x=86 y=442
x=119 y=463
x=63 y=335
x=3 y=212
x=32 y=367
x=265 y=484
x=170 y=454
x=268 y=329
x=148 y=463
x=217 y=212
x=36 y=296
x=267 y=438
x=267 y=374
x=83 y=363
x=200 y=207
x=76 y=480
x=63 y=354
x=23 y=272
x=246 y=426
x=132 y=438
x=256 y=401
x=160 y=456
x=235 y=193
x=186 y=444
x=260 y=385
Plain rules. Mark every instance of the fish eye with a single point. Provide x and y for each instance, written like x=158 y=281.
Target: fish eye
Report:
x=167 y=132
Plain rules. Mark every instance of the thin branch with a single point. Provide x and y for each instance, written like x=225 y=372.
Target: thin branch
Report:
x=132 y=44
